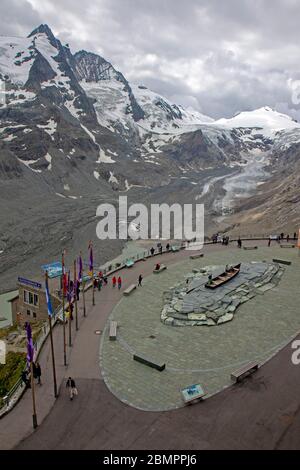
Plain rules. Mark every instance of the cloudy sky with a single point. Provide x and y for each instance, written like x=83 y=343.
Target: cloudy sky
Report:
x=220 y=57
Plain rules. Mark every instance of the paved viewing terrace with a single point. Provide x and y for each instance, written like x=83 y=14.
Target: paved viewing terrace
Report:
x=196 y=354
x=265 y=406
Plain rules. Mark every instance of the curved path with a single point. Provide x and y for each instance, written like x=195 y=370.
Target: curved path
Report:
x=262 y=412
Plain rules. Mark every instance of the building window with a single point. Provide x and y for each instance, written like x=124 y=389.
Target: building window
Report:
x=28 y=312
x=34 y=314
x=31 y=298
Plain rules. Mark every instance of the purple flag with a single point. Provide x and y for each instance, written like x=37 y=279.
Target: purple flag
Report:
x=30 y=348
x=80 y=268
x=91 y=258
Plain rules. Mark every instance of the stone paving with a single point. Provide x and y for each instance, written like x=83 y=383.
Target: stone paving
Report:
x=261 y=326
x=190 y=303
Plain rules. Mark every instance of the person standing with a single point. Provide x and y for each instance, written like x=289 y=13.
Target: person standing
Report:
x=140 y=280
x=119 y=282
x=114 y=281
x=152 y=251
x=38 y=372
x=269 y=241
x=100 y=284
x=71 y=386
x=239 y=242
x=287 y=238
x=295 y=236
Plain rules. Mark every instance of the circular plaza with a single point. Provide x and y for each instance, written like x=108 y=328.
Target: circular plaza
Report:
x=194 y=353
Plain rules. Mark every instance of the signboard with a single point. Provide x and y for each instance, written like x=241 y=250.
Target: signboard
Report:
x=27 y=282
x=53 y=269
x=192 y=392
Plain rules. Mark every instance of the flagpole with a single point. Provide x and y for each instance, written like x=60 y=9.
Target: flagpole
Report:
x=34 y=416
x=63 y=309
x=52 y=347
x=75 y=295
x=30 y=356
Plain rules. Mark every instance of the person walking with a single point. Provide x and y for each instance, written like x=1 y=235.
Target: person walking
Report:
x=269 y=241
x=140 y=280
x=100 y=284
x=71 y=386
x=152 y=251
x=38 y=372
x=239 y=242
x=295 y=236
x=114 y=281
x=287 y=238
x=119 y=282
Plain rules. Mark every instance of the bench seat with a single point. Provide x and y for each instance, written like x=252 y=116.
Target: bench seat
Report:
x=129 y=289
x=287 y=246
x=160 y=366
x=243 y=371
x=197 y=255
x=281 y=261
x=113 y=330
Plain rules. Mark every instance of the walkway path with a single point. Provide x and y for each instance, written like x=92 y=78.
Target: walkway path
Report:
x=96 y=419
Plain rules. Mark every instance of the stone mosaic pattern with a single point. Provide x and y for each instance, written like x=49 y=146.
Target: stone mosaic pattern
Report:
x=261 y=326
x=190 y=303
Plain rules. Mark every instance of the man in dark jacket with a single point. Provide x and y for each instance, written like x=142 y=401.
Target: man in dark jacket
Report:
x=71 y=386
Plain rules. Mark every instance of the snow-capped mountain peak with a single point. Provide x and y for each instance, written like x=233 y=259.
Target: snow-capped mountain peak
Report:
x=268 y=120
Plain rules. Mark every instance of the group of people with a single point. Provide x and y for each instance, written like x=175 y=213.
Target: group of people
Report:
x=100 y=281
x=217 y=238
x=37 y=374
x=116 y=281
x=281 y=237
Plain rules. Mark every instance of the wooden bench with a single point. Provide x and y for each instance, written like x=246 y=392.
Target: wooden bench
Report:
x=250 y=247
x=113 y=330
x=287 y=246
x=243 y=371
x=197 y=255
x=129 y=289
x=192 y=393
x=160 y=366
x=162 y=268
x=282 y=261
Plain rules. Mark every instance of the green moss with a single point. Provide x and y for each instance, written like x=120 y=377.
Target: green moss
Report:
x=11 y=372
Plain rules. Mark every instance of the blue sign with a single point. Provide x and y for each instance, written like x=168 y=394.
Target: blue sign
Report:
x=27 y=282
x=53 y=269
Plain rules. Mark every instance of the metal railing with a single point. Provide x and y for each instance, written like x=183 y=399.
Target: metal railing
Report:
x=15 y=393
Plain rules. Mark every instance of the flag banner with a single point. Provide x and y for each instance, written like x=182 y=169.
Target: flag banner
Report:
x=30 y=347
x=91 y=258
x=48 y=299
x=79 y=268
